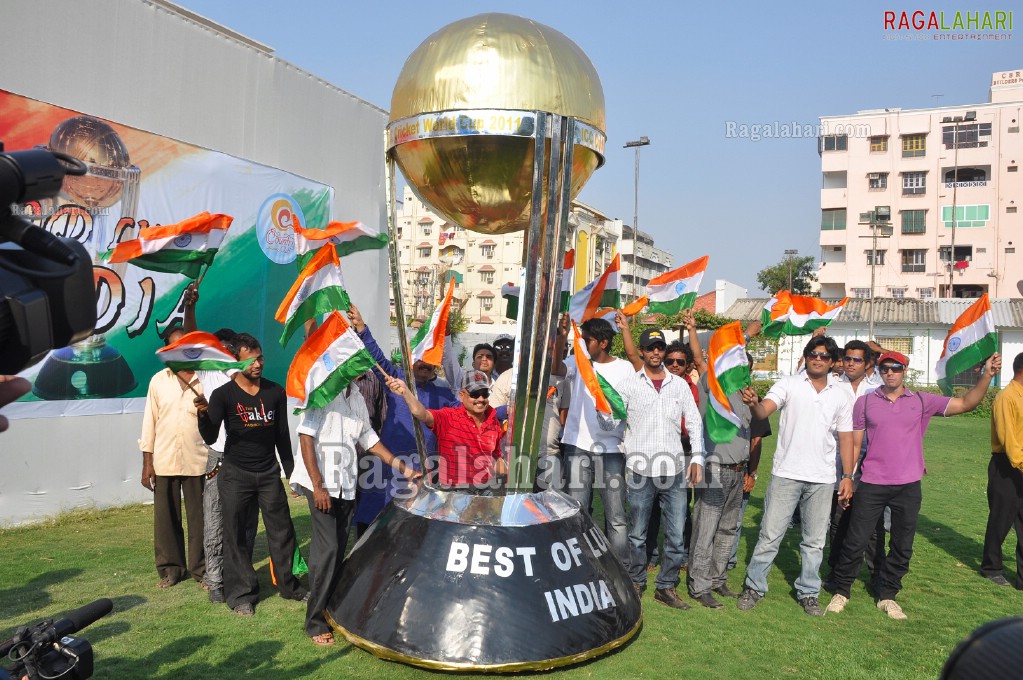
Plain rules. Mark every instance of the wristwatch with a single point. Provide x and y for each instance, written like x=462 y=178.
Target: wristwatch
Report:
x=753 y=475
x=846 y=476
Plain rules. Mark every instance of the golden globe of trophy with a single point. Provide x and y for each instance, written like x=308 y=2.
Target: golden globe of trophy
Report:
x=496 y=122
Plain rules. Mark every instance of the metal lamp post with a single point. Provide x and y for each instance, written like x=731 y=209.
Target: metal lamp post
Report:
x=968 y=118
x=788 y=258
x=642 y=141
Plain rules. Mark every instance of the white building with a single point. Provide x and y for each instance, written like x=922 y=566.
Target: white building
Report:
x=649 y=261
x=951 y=179
x=432 y=251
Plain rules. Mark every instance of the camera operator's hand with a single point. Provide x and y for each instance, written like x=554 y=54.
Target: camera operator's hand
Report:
x=148 y=472
x=11 y=388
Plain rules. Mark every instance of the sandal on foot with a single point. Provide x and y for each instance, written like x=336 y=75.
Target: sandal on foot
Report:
x=167 y=582
x=323 y=640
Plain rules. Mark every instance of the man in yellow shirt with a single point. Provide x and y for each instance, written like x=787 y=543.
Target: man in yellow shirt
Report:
x=174 y=465
x=1005 y=479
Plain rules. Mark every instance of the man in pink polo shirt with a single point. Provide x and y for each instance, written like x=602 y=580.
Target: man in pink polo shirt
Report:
x=895 y=419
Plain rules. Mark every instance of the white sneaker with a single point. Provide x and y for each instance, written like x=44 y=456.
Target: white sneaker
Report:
x=837 y=604
x=892 y=608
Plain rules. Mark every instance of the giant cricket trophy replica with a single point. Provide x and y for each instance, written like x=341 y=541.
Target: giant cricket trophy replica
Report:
x=496 y=122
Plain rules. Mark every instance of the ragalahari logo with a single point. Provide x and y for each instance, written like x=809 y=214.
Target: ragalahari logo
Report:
x=275 y=227
x=951 y=25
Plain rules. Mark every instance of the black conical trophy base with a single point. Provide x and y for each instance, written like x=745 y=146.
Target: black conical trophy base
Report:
x=97 y=373
x=454 y=581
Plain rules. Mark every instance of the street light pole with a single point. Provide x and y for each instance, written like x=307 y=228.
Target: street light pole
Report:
x=969 y=117
x=878 y=218
x=788 y=258
x=642 y=141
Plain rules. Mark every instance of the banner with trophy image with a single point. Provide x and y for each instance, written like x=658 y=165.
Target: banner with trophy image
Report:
x=136 y=180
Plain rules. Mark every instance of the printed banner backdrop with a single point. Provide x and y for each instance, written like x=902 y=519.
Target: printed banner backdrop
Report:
x=137 y=179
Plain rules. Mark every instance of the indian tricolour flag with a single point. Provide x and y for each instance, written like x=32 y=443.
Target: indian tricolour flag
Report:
x=727 y=373
x=319 y=289
x=511 y=292
x=609 y=403
x=326 y=364
x=347 y=237
x=671 y=292
x=181 y=248
x=567 y=276
x=428 y=343
x=797 y=314
x=600 y=298
x=198 y=351
x=971 y=340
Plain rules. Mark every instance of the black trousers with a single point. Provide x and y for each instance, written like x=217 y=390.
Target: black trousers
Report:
x=326 y=552
x=874 y=555
x=871 y=499
x=168 y=532
x=240 y=490
x=1005 y=511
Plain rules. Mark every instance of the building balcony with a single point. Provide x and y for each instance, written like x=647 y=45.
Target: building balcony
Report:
x=834 y=237
x=837 y=197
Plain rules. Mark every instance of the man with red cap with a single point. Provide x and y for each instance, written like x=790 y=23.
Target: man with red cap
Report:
x=894 y=419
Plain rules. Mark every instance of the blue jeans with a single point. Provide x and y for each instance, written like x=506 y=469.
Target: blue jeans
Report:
x=814 y=503
x=581 y=467
x=644 y=494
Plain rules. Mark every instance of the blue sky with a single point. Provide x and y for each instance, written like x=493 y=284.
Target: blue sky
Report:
x=678 y=73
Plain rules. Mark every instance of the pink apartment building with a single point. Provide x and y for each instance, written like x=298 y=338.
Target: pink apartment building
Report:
x=950 y=177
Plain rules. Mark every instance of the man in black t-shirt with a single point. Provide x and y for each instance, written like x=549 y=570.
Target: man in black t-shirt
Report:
x=253 y=410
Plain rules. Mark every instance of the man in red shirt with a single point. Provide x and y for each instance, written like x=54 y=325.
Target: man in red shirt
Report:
x=468 y=436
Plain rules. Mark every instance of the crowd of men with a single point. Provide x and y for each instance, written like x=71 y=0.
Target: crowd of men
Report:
x=848 y=463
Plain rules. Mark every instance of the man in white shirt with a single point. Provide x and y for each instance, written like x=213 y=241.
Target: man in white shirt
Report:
x=656 y=402
x=326 y=470
x=814 y=406
x=592 y=449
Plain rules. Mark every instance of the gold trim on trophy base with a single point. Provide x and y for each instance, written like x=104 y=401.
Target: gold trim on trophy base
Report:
x=387 y=654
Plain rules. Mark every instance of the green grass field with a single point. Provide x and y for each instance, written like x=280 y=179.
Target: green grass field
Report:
x=63 y=564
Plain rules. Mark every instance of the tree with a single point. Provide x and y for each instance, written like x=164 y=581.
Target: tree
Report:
x=776 y=277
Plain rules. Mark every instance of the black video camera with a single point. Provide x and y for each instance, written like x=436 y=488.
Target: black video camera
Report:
x=47 y=292
x=48 y=650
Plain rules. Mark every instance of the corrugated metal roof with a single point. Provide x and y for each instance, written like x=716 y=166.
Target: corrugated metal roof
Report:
x=938 y=312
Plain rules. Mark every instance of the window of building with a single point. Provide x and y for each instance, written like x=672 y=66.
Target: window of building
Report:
x=962 y=253
x=1012 y=168
x=914 y=146
x=914 y=261
x=424 y=252
x=1011 y=209
x=832 y=219
x=879 y=143
x=487 y=277
x=1010 y=251
x=898 y=293
x=880 y=258
x=969 y=136
x=966 y=215
x=926 y=293
x=428 y=229
x=488 y=251
x=877 y=180
x=399 y=232
x=914 y=183
x=861 y=293
x=914 y=221
x=487 y=302
x=903 y=345
x=833 y=143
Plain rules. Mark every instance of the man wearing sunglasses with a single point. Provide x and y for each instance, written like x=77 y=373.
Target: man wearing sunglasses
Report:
x=894 y=420
x=857 y=360
x=468 y=436
x=814 y=406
